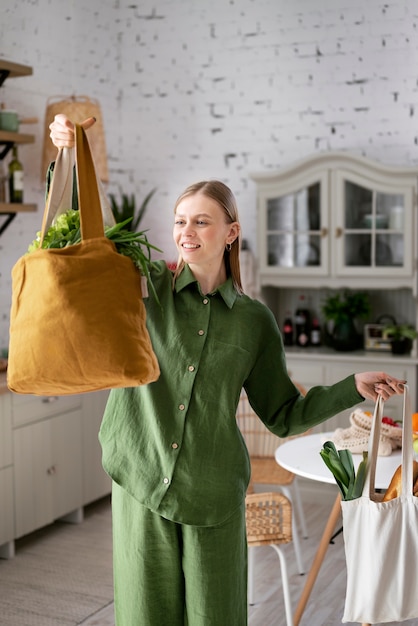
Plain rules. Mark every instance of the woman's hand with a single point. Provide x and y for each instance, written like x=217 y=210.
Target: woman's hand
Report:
x=62 y=130
x=372 y=384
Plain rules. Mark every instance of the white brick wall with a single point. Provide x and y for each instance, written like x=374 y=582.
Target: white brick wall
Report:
x=191 y=89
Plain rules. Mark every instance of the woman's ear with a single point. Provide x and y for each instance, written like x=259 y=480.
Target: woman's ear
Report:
x=234 y=230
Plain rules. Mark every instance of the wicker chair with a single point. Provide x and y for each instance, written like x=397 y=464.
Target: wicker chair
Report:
x=269 y=523
x=265 y=470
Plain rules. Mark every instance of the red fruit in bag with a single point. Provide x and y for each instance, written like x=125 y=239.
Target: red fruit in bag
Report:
x=390 y=421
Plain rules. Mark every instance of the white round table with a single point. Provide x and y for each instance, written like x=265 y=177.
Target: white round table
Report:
x=301 y=456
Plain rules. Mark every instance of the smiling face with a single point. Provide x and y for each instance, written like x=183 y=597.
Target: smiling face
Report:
x=201 y=233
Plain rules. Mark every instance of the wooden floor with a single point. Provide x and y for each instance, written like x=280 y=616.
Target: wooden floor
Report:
x=62 y=575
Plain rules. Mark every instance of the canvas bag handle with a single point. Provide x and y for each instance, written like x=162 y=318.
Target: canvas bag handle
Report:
x=407 y=455
x=91 y=221
x=60 y=194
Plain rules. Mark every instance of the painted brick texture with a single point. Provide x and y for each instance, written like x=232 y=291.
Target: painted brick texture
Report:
x=192 y=89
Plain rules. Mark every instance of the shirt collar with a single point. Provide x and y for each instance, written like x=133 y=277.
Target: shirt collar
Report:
x=227 y=290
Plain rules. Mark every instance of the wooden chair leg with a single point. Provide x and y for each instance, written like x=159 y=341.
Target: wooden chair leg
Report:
x=319 y=557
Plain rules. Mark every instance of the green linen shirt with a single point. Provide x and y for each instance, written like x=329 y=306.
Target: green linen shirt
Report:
x=174 y=444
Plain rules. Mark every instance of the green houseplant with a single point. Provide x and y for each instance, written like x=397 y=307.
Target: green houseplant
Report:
x=126 y=208
x=341 y=309
x=401 y=336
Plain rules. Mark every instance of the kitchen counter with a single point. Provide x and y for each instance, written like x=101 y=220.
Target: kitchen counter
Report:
x=324 y=353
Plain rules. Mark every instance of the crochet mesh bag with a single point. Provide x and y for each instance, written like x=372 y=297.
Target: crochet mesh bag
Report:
x=356 y=437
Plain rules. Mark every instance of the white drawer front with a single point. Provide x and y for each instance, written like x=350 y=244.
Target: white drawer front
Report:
x=28 y=408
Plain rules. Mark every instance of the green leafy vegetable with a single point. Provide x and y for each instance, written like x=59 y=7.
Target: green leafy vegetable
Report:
x=340 y=463
x=65 y=231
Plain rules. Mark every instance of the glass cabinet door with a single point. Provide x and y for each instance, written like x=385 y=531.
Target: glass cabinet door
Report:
x=337 y=216
x=373 y=231
x=294 y=230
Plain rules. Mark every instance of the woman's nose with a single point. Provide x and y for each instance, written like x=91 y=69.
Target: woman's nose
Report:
x=189 y=230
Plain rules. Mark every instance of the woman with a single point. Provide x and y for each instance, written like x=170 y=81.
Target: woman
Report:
x=179 y=465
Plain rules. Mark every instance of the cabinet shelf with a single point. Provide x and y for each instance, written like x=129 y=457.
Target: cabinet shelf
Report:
x=15 y=207
x=6 y=136
x=9 y=211
x=8 y=139
x=13 y=70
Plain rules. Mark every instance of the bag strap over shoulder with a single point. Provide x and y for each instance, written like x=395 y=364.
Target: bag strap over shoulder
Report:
x=407 y=454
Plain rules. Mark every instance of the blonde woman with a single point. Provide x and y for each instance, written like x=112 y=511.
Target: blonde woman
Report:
x=179 y=465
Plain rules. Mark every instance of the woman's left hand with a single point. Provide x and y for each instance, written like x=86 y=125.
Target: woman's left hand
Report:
x=372 y=384
x=62 y=130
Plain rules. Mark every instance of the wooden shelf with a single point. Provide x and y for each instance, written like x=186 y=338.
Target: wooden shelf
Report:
x=15 y=69
x=7 y=137
x=8 y=210
x=15 y=207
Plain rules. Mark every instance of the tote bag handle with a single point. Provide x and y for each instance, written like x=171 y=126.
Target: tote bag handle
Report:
x=61 y=190
x=91 y=221
x=407 y=455
x=91 y=198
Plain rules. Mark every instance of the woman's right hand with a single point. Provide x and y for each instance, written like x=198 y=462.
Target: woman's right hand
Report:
x=62 y=130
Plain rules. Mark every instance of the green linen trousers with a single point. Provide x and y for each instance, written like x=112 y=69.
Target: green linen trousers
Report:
x=170 y=574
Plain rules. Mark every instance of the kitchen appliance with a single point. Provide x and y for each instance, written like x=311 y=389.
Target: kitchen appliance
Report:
x=374 y=334
x=374 y=338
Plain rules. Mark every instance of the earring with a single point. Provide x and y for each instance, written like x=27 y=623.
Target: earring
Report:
x=228 y=247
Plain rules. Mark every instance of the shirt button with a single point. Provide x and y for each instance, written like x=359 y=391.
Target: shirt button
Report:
x=201 y=332
x=191 y=368
x=166 y=481
x=181 y=407
x=174 y=445
x=205 y=301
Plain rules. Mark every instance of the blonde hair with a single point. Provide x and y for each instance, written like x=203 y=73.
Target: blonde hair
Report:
x=219 y=192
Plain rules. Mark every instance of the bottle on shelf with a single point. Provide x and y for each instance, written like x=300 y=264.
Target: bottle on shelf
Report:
x=3 y=182
x=15 y=178
x=315 y=332
x=302 y=323
x=288 y=330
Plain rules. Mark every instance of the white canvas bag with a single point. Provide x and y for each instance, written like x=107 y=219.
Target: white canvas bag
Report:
x=381 y=540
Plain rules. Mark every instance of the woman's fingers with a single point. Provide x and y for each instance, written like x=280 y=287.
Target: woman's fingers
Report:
x=62 y=130
x=88 y=123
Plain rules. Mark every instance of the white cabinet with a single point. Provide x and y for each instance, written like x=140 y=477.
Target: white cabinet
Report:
x=50 y=461
x=96 y=483
x=6 y=512
x=6 y=478
x=335 y=217
x=48 y=469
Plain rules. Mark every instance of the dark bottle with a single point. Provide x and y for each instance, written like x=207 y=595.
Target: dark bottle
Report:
x=3 y=182
x=315 y=333
x=302 y=322
x=288 y=330
x=15 y=178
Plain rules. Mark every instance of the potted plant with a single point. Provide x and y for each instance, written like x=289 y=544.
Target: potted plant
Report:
x=341 y=310
x=126 y=208
x=401 y=337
